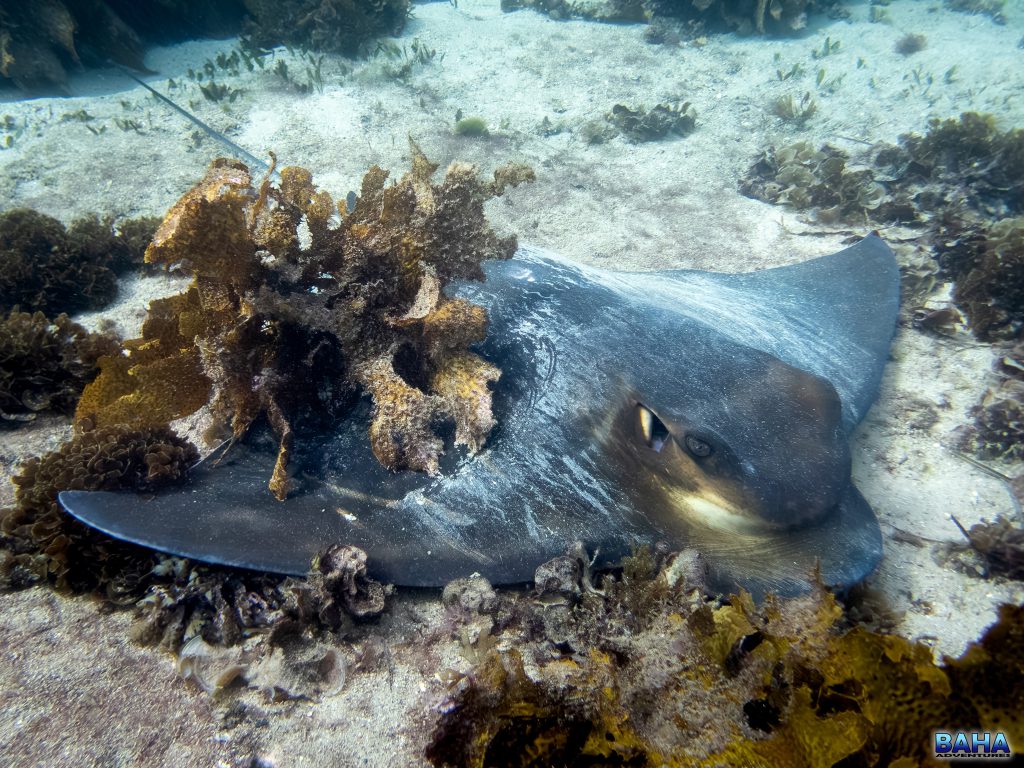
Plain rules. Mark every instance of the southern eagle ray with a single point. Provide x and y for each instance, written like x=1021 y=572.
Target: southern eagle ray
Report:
x=705 y=410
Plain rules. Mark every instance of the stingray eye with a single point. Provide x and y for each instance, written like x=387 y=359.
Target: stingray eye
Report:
x=697 y=447
x=652 y=429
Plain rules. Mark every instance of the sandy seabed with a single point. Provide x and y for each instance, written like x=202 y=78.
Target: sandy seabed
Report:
x=74 y=691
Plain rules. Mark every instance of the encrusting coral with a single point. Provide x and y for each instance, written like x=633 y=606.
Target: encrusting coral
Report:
x=646 y=671
x=289 y=332
x=44 y=364
x=48 y=268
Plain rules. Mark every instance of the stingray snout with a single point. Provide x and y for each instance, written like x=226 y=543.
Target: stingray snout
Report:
x=780 y=455
x=784 y=504
x=799 y=477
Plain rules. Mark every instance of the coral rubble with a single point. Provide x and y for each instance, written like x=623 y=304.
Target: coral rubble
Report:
x=47 y=268
x=274 y=329
x=646 y=672
x=44 y=364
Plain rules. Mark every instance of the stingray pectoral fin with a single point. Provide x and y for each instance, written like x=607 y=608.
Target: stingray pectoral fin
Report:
x=227 y=533
x=844 y=548
x=833 y=316
x=224 y=515
x=837 y=316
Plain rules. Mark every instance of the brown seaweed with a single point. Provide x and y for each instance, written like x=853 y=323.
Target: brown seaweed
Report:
x=336 y=26
x=45 y=544
x=639 y=124
x=773 y=17
x=44 y=364
x=289 y=333
x=961 y=184
x=686 y=682
x=1000 y=544
x=222 y=607
x=991 y=288
x=48 y=268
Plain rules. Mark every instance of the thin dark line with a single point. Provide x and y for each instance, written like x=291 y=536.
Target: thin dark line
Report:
x=249 y=157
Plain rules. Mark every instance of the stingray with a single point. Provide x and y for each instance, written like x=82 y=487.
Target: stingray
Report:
x=702 y=410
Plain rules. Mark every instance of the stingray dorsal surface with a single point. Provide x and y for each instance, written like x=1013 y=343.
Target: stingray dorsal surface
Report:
x=705 y=410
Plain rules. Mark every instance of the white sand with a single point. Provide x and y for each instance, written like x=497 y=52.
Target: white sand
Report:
x=663 y=204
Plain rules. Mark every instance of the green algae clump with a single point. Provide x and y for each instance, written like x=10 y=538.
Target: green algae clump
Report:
x=273 y=329
x=475 y=127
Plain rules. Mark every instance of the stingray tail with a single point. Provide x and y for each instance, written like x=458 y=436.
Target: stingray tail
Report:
x=253 y=161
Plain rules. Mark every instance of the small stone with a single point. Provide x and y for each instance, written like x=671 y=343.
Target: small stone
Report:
x=471 y=595
x=340 y=585
x=687 y=569
x=559 y=576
